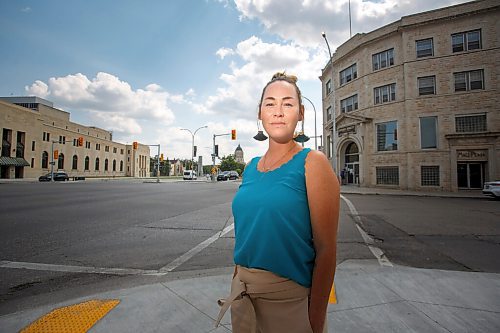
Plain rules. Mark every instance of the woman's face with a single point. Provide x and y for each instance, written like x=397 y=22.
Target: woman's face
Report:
x=280 y=111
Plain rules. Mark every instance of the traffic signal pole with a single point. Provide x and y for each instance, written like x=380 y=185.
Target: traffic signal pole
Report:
x=214 y=155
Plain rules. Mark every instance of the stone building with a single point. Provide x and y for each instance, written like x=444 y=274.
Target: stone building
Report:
x=416 y=102
x=32 y=129
x=238 y=155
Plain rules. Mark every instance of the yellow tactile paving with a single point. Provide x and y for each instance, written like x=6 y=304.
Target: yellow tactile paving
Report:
x=333 y=296
x=77 y=318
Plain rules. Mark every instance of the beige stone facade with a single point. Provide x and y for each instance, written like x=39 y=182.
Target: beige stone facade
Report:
x=422 y=111
x=32 y=129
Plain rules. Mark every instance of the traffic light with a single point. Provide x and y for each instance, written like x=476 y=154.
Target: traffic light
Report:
x=56 y=154
x=161 y=157
x=233 y=134
x=194 y=151
x=216 y=150
x=80 y=142
x=135 y=145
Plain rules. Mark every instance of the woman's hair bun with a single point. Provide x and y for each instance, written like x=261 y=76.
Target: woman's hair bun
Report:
x=285 y=77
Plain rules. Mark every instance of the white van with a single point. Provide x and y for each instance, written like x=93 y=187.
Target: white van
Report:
x=189 y=175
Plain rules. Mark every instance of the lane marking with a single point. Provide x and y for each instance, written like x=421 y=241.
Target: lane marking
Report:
x=75 y=269
x=369 y=241
x=195 y=250
x=119 y=271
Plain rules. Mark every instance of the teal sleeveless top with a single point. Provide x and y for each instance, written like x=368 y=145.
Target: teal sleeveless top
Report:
x=272 y=223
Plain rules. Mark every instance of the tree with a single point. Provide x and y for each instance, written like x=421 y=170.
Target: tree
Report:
x=228 y=163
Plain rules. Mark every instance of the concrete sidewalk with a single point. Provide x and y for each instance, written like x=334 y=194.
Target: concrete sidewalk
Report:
x=371 y=298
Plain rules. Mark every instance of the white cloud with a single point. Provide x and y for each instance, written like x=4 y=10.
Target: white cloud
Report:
x=303 y=20
x=109 y=101
x=240 y=95
x=224 y=52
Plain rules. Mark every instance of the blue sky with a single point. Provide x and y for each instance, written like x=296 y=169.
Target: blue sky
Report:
x=146 y=69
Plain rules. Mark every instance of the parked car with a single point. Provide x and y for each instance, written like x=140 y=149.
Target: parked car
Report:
x=224 y=175
x=58 y=176
x=492 y=188
x=189 y=175
x=233 y=175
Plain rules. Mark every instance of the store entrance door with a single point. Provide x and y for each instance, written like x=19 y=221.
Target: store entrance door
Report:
x=470 y=175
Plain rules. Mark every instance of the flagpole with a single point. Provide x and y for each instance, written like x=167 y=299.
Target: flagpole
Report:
x=350 y=29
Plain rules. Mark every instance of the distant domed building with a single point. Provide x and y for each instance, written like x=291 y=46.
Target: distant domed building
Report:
x=238 y=155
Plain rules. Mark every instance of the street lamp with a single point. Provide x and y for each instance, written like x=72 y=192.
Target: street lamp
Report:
x=334 y=127
x=315 y=134
x=192 y=146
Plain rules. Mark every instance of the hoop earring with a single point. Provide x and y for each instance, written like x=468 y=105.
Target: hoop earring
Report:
x=260 y=136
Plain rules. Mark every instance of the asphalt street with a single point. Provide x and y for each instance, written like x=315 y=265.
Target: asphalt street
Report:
x=85 y=232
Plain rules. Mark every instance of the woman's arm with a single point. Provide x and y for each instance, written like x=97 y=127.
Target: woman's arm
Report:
x=323 y=194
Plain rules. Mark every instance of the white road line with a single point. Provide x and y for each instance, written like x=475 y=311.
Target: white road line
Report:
x=195 y=250
x=377 y=252
x=75 y=269
x=118 y=271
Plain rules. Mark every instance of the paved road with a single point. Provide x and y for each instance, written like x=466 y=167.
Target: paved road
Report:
x=146 y=228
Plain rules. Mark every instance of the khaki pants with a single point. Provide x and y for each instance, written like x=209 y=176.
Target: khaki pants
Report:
x=262 y=302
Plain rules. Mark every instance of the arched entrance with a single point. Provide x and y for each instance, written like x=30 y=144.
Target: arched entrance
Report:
x=350 y=171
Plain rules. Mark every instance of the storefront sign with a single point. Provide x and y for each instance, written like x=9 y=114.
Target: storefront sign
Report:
x=472 y=155
x=346 y=130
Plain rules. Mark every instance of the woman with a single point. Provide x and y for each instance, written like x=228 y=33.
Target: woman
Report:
x=286 y=216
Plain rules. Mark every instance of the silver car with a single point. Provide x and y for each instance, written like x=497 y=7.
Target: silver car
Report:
x=492 y=188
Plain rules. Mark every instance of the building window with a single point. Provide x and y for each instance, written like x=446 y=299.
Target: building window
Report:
x=349 y=104
x=121 y=151
x=471 y=80
x=97 y=146
x=385 y=94
x=387 y=175
x=87 y=144
x=329 y=87
x=33 y=145
x=106 y=165
x=74 y=166
x=87 y=163
x=428 y=132
x=45 y=160
x=426 y=85
x=329 y=113
x=114 y=150
x=121 y=166
x=348 y=74
x=106 y=149
x=466 y=41
x=114 y=165
x=97 y=164
x=387 y=136
x=62 y=139
x=424 y=48
x=60 y=161
x=429 y=175
x=383 y=59
x=32 y=162
x=470 y=123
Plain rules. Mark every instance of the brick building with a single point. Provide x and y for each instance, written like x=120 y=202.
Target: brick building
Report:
x=32 y=129
x=416 y=102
